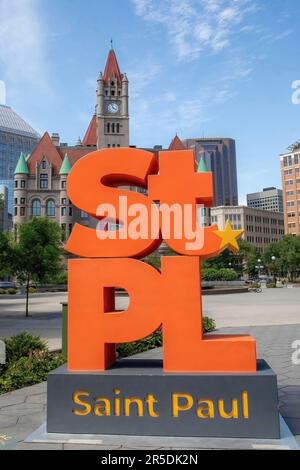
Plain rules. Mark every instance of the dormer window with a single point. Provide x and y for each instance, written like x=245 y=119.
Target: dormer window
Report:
x=112 y=83
x=44 y=165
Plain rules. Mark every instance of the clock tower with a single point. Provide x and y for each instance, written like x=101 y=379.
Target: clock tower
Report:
x=112 y=106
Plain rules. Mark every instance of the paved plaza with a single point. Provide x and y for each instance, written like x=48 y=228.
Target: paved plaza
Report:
x=272 y=317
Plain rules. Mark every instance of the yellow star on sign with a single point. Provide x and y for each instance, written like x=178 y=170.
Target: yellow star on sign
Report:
x=229 y=237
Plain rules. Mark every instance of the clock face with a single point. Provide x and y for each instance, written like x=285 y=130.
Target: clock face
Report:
x=113 y=108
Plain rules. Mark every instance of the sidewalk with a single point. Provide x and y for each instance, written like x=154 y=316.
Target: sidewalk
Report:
x=23 y=411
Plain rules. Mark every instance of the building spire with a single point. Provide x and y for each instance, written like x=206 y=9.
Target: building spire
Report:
x=111 y=44
x=112 y=68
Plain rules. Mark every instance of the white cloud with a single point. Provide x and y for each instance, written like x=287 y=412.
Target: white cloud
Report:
x=196 y=26
x=21 y=41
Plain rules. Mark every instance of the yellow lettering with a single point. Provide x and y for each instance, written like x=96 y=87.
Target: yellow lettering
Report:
x=234 y=409
x=76 y=399
x=103 y=407
x=176 y=397
x=117 y=406
x=245 y=405
x=205 y=409
x=129 y=401
x=151 y=401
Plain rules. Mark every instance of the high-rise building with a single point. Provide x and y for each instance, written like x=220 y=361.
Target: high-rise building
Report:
x=290 y=175
x=219 y=155
x=5 y=217
x=269 y=199
x=16 y=136
x=40 y=180
x=260 y=227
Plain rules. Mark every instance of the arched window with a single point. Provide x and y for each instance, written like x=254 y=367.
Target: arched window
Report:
x=50 y=208
x=36 y=208
x=118 y=128
x=108 y=127
x=113 y=127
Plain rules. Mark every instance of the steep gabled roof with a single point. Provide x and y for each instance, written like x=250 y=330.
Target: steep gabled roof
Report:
x=177 y=144
x=75 y=153
x=90 y=138
x=45 y=147
x=112 y=68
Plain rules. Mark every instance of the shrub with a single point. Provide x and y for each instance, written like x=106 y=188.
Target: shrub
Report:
x=208 y=324
x=223 y=274
x=23 y=345
x=32 y=290
x=271 y=285
x=155 y=340
x=254 y=285
x=12 y=291
x=3 y=291
x=29 y=370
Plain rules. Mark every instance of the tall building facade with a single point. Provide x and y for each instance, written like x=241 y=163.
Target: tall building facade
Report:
x=269 y=199
x=290 y=175
x=5 y=217
x=16 y=136
x=219 y=155
x=41 y=180
x=260 y=227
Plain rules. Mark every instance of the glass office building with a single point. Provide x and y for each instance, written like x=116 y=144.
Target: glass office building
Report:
x=16 y=136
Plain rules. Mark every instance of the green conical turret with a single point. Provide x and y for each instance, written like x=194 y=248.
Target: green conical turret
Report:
x=202 y=167
x=66 y=166
x=22 y=167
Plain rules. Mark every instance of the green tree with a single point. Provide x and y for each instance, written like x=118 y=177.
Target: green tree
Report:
x=243 y=261
x=287 y=254
x=7 y=255
x=37 y=252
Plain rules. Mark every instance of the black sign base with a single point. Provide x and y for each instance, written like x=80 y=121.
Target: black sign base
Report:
x=137 y=398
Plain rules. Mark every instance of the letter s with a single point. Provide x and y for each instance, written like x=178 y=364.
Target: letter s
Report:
x=89 y=184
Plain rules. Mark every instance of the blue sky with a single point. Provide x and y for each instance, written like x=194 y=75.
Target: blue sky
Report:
x=196 y=67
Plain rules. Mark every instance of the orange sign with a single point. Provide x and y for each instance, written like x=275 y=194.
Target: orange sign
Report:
x=170 y=298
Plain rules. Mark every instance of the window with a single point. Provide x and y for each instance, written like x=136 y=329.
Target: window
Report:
x=16 y=211
x=108 y=127
x=113 y=128
x=16 y=184
x=50 y=208
x=63 y=184
x=63 y=211
x=23 y=184
x=44 y=165
x=16 y=200
x=83 y=215
x=64 y=201
x=22 y=211
x=117 y=128
x=70 y=228
x=112 y=92
x=43 y=181
x=70 y=211
x=36 y=208
x=23 y=200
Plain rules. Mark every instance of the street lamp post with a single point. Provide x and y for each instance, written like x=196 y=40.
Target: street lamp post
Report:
x=273 y=258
